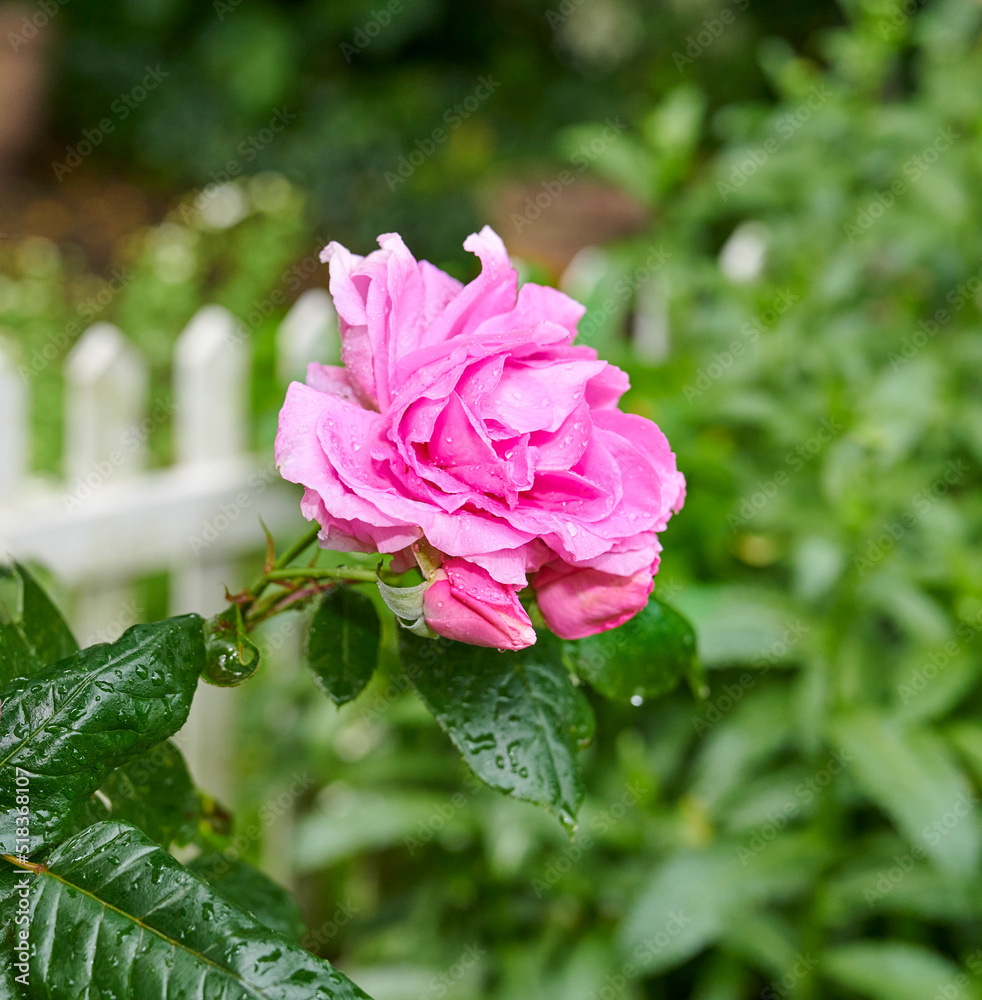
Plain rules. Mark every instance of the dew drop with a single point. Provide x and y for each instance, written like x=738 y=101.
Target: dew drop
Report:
x=571 y=527
x=637 y=700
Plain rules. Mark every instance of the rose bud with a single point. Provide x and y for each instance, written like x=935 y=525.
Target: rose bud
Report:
x=577 y=602
x=464 y=603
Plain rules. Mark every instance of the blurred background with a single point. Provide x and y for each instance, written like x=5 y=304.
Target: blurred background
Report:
x=772 y=212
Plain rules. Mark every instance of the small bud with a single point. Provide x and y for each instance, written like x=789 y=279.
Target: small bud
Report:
x=464 y=603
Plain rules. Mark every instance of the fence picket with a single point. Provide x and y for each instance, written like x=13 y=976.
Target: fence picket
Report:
x=211 y=386
x=309 y=332
x=211 y=416
x=106 y=388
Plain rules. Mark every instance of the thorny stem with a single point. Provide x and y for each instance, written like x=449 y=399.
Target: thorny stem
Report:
x=296 y=549
x=282 y=602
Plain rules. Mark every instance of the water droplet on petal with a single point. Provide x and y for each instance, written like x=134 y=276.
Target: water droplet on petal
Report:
x=571 y=527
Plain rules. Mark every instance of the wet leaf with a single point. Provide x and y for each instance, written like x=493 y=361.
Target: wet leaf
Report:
x=68 y=728
x=33 y=633
x=252 y=890
x=516 y=718
x=644 y=658
x=117 y=916
x=343 y=647
x=153 y=791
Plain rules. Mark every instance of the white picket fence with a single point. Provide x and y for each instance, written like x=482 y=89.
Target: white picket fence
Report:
x=110 y=521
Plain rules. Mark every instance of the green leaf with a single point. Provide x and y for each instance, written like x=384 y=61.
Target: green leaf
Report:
x=252 y=890
x=645 y=657
x=33 y=634
x=231 y=657
x=516 y=717
x=910 y=774
x=154 y=792
x=343 y=646
x=68 y=728
x=116 y=915
x=891 y=970
x=695 y=897
x=8 y=986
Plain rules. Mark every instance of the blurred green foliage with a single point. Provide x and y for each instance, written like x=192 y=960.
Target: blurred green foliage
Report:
x=367 y=78
x=811 y=829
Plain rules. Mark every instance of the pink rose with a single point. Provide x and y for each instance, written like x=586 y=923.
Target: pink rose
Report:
x=465 y=415
x=580 y=602
x=462 y=602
